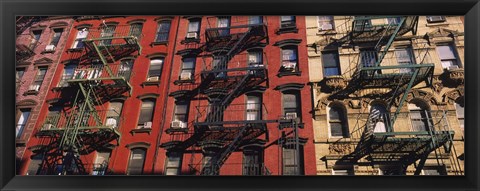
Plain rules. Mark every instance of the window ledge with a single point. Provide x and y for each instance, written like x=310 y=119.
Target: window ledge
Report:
x=286 y=30
x=179 y=82
x=159 y=43
x=48 y=52
x=190 y=40
x=151 y=83
x=443 y=23
x=142 y=130
x=297 y=73
x=74 y=49
x=172 y=130
x=20 y=142
x=31 y=92
x=326 y=32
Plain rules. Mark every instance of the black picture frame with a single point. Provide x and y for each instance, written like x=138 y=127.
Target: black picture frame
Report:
x=10 y=8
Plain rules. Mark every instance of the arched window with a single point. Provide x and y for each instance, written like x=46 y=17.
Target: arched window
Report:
x=337 y=121
x=419 y=115
x=379 y=118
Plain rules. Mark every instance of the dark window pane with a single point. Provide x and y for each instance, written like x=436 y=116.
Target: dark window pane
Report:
x=146 y=113
x=336 y=129
x=137 y=160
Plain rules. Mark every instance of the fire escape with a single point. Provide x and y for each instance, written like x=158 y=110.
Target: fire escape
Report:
x=83 y=125
x=221 y=123
x=374 y=72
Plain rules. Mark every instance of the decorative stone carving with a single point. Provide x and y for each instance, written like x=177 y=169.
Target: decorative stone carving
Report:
x=437 y=84
x=457 y=75
x=453 y=95
x=340 y=148
x=335 y=82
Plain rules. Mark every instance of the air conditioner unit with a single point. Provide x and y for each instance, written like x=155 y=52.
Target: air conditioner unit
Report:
x=34 y=87
x=185 y=76
x=291 y=115
x=435 y=18
x=289 y=65
x=326 y=26
x=453 y=67
x=192 y=35
x=155 y=78
x=47 y=126
x=178 y=125
x=112 y=122
x=50 y=47
x=147 y=125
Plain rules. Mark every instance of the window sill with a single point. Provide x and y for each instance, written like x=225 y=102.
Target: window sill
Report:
x=297 y=73
x=190 y=40
x=172 y=130
x=151 y=83
x=283 y=125
x=180 y=82
x=142 y=130
x=74 y=49
x=20 y=142
x=286 y=30
x=31 y=92
x=326 y=32
x=159 y=43
x=443 y=23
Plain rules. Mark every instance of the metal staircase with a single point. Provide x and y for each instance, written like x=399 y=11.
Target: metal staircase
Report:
x=82 y=126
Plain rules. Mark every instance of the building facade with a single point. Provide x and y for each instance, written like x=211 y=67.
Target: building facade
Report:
x=178 y=95
x=388 y=94
x=39 y=44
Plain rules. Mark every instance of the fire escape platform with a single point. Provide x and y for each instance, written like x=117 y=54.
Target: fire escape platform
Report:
x=223 y=38
x=390 y=76
x=365 y=29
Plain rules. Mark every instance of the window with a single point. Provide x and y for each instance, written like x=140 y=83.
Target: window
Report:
x=35 y=164
x=208 y=163
x=252 y=161
x=435 y=19
x=101 y=163
x=219 y=64
x=126 y=67
x=338 y=121
x=108 y=32
x=146 y=113
x=193 y=28
x=368 y=57
x=188 y=69
x=405 y=57
x=331 y=63
x=379 y=117
x=174 y=163
x=155 y=69
x=447 y=56
x=419 y=115
x=255 y=58
x=362 y=23
x=390 y=170
x=224 y=24
x=137 y=160
x=53 y=117
x=181 y=112
x=114 y=113
x=39 y=79
x=163 y=31
x=136 y=30
x=18 y=76
x=325 y=23
x=253 y=20
x=289 y=59
x=35 y=38
x=81 y=35
x=56 y=36
x=342 y=171
x=291 y=104
x=292 y=163
x=68 y=72
x=393 y=21
x=254 y=107
x=434 y=170
x=22 y=121
x=287 y=21
x=460 y=107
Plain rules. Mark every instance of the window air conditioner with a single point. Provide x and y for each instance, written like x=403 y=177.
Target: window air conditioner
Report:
x=178 y=125
x=47 y=126
x=192 y=35
x=435 y=18
x=112 y=122
x=185 y=76
x=154 y=78
x=291 y=115
x=147 y=125
x=34 y=87
x=326 y=26
x=50 y=47
x=453 y=67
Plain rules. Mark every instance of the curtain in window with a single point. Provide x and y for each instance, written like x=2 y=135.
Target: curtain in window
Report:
x=193 y=26
x=325 y=22
x=155 y=67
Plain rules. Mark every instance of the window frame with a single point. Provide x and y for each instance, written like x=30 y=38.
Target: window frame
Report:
x=197 y=30
x=79 y=40
x=254 y=165
x=257 y=110
x=293 y=48
x=331 y=21
x=143 y=109
x=298 y=103
x=39 y=78
x=454 y=61
x=163 y=35
x=337 y=63
x=56 y=39
x=176 y=113
x=150 y=71
x=172 y=154
x=343 y=121
x=291 y=23
x=20 y=130
x=300 y=165
x=144 y=152
x=185 y=69
x=136 y=33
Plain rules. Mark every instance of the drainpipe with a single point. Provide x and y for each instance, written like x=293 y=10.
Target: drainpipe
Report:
x=157 y=146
